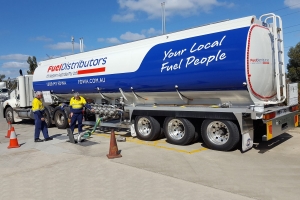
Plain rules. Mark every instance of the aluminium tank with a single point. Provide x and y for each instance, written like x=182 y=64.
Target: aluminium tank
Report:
x=211 y=64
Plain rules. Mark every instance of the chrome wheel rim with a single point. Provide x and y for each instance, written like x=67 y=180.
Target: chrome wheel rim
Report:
x=60 y=119
x=176 y=129
x=144 y=126
x=218 y=132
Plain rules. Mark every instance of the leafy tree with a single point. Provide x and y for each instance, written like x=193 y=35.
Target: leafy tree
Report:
x=32 y=64
x=294 y=63
x=11 y=84
x=2 y=76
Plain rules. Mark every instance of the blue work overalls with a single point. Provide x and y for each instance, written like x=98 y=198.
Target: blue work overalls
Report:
x=76 y=117
x=76 y=108
x=38 y=110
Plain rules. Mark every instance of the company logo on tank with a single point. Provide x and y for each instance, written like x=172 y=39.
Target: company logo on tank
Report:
x=77 y=65
x=263 y=61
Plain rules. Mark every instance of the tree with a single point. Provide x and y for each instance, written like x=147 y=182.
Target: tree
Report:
x=294 y=63
x=11 y=84
x=32 y=64
x=2 y=76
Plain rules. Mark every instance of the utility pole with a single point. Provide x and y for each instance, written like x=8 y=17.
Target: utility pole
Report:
x=72 y=40
x=163 y=18
x=81 y=44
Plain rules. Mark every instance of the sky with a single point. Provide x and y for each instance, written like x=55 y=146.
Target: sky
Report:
x=44 y=28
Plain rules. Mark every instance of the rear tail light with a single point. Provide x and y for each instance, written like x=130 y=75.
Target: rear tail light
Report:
x=269 y=116
x=293 y=108
x=296 y=120
x=269 y=131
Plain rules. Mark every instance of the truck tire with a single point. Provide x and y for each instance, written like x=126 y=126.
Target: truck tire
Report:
x=179 y=131
x=147 y=128
x=67 y=111
x=47 y=118
x=9 y=115
x=60 y=119
x=220 y=135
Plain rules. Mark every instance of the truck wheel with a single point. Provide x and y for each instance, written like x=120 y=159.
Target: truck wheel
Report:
x=60 y=119
x=179 y=131
x=47 y=118
x=220 y=135
x=147 y=128
x=9 y=115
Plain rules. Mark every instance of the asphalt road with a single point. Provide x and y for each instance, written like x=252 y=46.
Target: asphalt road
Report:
x=147 y=170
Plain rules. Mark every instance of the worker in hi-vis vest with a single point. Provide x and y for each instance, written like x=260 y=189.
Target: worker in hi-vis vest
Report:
x=76 y=103
x=39 y=119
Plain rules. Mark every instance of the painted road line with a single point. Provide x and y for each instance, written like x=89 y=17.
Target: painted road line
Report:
x=154 y=144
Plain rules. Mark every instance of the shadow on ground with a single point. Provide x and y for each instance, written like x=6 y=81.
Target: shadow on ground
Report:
x=264 y=147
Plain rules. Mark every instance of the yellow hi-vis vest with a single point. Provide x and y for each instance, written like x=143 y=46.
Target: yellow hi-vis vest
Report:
x=37 y=105
x=77 y=104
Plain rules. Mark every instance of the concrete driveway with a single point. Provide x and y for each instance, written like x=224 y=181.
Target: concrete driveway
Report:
x=147 y=170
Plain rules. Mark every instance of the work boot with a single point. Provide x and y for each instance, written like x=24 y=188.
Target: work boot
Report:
x=38 y=140
x=49 y=138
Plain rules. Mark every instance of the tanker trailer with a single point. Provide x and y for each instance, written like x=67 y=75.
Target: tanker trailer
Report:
x=224 y=81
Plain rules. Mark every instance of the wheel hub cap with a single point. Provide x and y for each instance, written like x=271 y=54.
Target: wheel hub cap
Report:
x=218 y=132
x=176 y=129
x=144 y=126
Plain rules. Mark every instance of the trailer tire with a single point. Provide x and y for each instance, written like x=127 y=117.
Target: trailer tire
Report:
x=147 y=128
x=179 y=131
x=9 y=115
x=196 y=138
x=220 y=135
x=47 y=118
x=60 y=119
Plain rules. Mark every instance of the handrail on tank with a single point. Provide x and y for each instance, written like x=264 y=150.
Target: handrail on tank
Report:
x=279 y=60
x=264 y=15
x=283 y=75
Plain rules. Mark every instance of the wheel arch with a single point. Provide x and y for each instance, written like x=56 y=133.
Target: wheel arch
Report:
x=4 y=110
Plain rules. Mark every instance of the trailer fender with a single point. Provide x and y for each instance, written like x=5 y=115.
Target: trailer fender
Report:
x=246 y=129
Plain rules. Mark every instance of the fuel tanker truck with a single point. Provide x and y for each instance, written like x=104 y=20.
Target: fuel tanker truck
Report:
x=224 y=82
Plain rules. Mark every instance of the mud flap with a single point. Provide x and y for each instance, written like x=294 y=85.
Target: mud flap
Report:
x=132 y=130
x=247 y=142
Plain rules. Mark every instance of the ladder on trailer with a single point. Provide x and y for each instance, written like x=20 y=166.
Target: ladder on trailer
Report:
x=275 y=26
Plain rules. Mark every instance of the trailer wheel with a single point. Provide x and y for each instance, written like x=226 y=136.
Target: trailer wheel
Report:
x=179 y=131
x=220 y=135
x=47 y=118
x=60 y=119
x=147 y=128
x=9 y=115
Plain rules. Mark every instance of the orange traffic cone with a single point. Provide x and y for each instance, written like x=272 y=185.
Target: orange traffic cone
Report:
x=113 y=149
x=9 y=130
x=13 y=142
